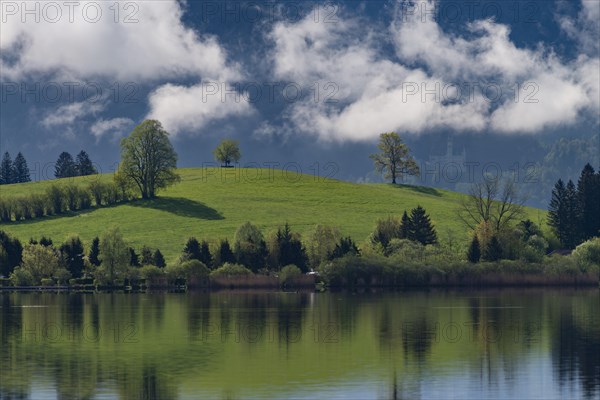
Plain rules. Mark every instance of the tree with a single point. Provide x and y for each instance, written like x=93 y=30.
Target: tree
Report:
x=205 y=255
x=72 y=255
x=84 y=165
x=224 y=254
x=148 y=158
x=134 y=259
x=493 y=251
x=65 y=166
x=322 y=243
x=114 y=256
x=405 y=226
x=421 y=229
x=474 y=252
x=394 y=159
x=573 y=215
x=386 y=230
x=13 y=253
x=290 y=249
x=345 y=246
x=7 y=172
x=158 y=259
x=147 y=256
x=192 y=249
x=557 y=210
x=588 y=194
x=492 y=201
x=95 y=252
x=41 y=262
x=21 y=170
x=227 y=151
x=250 y=248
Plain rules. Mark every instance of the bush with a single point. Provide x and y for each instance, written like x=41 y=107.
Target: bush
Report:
x=70 y=196
x=150 y=272
x=385 y=230
x=289 y=273
x=47 y=282
x=21 y=277
x=405 y=249
x=55 y=199
x=230 y=270
x=587 y=254
x=188 y=269
x=37 y=202
x=6 y=205
x=98 y=191
x=84 y=198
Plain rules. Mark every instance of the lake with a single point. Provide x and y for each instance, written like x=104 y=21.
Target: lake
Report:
x=492 y=344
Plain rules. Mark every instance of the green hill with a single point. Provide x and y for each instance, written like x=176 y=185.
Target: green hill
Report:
x=211 y=203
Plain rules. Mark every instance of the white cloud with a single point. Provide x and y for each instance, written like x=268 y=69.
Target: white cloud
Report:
x=68 y=114
x=158 y=45
x=190 y=108
x=374 y=96
x=115 y=126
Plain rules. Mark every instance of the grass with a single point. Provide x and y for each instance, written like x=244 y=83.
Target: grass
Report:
x=210 y=203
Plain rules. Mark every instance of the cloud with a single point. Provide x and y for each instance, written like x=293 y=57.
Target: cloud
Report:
x=149 y=41
x=68 y=114
x=191 y=108
x=478 y=81
x=116 y=126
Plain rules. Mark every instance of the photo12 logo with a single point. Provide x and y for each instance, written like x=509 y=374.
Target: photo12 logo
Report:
x=53 y=12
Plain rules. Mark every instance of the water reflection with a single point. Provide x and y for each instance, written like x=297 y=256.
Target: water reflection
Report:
x=489 y=344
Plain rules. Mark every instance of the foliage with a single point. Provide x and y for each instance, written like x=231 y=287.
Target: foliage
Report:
x=114 y=256
x=227 y=151
x=7 y=170
x=588 y=199
x=72 y=254
x=386 y=229
x=13 y=253
x=158 y=259
x=420 y=227
x=230 y=270
x=192 y=249
x=345 y=246
x=94 y=256
x=250 y=248
x=147 y=256
x=587 y=254
x=563 y=213
x=55 y=202
x=224 y=254
x=290 y=249
x=493 y=250
x=321 y=244
x=394 y=159
x=84 y=164
x=148 y=158
x=40 y=262
x=65 y=166
x=289 y=273
x=21 y=170
x=188 y=269
x=474 y=252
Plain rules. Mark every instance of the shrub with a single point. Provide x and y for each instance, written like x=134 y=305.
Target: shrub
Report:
x=386 y=229
x=40 y=261
x=98 y=191
x=230 y=270
x=55 y=199
x=346 y=246
x=21 y=277
x=405 y=249
x=250 y=248
x=289 y=273
x=37 y=202
x=26 y=207
x=18 y=211
x=84 y=198
x=188 y=269
x=6 y=205
x=322 y=242
x=151 y=272
x=587 y=254
x=47 y=282
x=70 y=196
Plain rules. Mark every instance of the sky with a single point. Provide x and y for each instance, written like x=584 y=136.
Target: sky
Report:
x=307 y=86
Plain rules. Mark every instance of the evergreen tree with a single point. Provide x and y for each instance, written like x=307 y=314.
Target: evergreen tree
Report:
x=46 y=242
x=147 y=256
x=493 y=250
x=205 y=255
x=21 y=170
x=65 y=166
x=7 y=171
x=225 y=254
x=159 y=259
x=95 y=252
x=134 y=259
x=557 y=211
x=72 y=254
x=84 y=165
x=588 y=195
x=474 y=252
x=345 y=246
x=13 y=253
x=421 y=229
x=405 y=226
x=192 y=249
x=573 y=213
x=291 y=250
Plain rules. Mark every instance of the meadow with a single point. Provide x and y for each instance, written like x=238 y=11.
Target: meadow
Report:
x=211 y=203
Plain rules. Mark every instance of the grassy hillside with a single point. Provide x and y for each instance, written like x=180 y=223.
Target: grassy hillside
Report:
x=211 y=203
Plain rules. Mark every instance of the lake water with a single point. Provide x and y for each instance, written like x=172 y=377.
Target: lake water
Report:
x=493 y=344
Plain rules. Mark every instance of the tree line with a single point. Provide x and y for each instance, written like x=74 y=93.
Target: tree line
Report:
x=15 y=171
x=574 y=210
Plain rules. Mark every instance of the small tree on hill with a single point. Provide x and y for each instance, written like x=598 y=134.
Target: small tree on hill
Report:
x=21 y=170
x=346 y=246
x=205 y=256
x=95 y=252
x=386 y=229
x=159 y=259
x=72 y=254
x=394 y=159
x=134 y=258
x=224 y=254
x=7 y=172
x=290 y=249
x=405 y=226
x=192 y=250
x=65 y=166
x=147 y=256
x=227 y=151
x=493 y=251
x=84 y=165
x=114 y=255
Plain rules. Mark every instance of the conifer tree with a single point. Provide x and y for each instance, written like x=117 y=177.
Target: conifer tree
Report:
x=421 y=229
x=474 y=252
x=20 y=169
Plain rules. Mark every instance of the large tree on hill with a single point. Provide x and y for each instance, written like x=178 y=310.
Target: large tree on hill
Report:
x=21 y=170
x=421 y=229
x=7 y=172
x=84 y=164
x=563 y=213
x=228 y=151
x=394 y=159
x=588 y=194
x=148 y=158
x=65 y=166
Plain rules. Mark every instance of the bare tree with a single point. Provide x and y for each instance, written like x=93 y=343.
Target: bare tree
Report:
x=493 y=201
